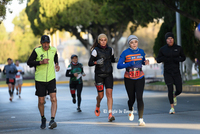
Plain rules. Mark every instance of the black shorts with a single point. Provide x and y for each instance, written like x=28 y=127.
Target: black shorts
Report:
x=75 y=86
x=44 y=88
x=10 y=81
x=172 y=79
x=105 y=79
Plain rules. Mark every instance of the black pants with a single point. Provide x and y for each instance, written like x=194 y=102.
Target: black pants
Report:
x=73 y=88
x=171 y=79
x=135 y=87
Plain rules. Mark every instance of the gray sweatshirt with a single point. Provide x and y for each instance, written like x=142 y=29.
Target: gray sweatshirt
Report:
x=10 y=71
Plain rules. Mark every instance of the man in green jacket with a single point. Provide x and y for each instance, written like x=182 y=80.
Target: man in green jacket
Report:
x=44 y=58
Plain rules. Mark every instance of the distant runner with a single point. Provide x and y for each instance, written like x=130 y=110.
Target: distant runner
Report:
x=19 y=78
x=10 y=70
x=75 y=72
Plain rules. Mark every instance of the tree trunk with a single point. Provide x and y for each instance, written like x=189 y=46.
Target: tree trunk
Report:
x=188 y=68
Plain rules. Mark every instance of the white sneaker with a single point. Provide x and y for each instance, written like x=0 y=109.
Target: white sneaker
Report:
x=141 y=122
x=172 y=111
x=131 y=116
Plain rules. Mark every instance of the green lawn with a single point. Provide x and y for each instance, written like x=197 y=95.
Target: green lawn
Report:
x=190 y=82
x=24 y=81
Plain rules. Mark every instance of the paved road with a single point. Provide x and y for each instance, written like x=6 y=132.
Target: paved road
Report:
x=22 y=116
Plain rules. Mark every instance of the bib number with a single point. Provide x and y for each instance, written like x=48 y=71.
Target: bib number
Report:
x=11 y=80
x=17 y=76
x=134 y=74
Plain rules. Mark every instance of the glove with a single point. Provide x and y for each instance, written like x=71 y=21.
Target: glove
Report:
x=100 y=61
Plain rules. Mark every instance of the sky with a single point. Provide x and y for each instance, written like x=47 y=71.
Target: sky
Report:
x=16 y=8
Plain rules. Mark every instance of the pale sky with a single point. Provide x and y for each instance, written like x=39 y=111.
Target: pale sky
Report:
x=16 y=8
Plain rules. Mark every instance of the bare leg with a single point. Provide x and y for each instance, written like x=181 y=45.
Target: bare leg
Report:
x=20 y=88
x=109 y=98
x=99 y=98
x=53 y=104
x=41 y=105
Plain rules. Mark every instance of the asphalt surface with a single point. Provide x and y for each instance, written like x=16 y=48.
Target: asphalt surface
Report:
x=22 y=115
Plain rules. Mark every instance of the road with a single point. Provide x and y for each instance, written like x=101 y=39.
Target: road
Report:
x=22 y=116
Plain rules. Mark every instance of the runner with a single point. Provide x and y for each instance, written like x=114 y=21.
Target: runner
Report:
x=101 y=57
x=132 y=59
x=43 y=59
x=75 y=72
x=10 y=70
x=171 y=54
x=19 y=78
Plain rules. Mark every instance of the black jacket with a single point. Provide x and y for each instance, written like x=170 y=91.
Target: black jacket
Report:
x=106 y=54
x=171 y=56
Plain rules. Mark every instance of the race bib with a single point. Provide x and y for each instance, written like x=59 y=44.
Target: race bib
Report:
x=134 y=74
x=11 y=80
x=17 y=76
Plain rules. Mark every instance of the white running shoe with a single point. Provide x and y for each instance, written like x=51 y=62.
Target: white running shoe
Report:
x=172 y=111
x=141 y=122
x=131 y=116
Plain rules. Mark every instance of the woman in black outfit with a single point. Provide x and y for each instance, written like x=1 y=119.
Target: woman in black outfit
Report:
x=102 y=57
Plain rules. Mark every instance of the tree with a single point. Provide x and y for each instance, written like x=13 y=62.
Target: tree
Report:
x=3 y=6
x=23 y=36
x=8 y=50
x=77 y=16
x=3 y=33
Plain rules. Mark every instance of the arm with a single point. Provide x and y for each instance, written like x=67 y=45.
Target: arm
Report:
x=91 y=61
x=4 y=71
x=113 y=59
x=121 y=64
x=68 y=72
x=14 y=71
x=161 y=58
x=56 y=58
x=181 y=58
x=92 y=58
x=31 y=61
x=22 y=72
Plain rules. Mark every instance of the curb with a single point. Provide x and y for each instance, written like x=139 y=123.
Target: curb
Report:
x=185 y=88
x=33 y=84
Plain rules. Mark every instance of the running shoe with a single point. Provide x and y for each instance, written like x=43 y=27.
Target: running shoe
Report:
x=141 y=122
x=175 y=101
x=131 y=116
x=19 y=96
x=172 y=111
x=74 y=100
x=43 y=125
x=52 y=124
x=10 y=99
x=111 y=117
x=79 y=109
x=97 y=111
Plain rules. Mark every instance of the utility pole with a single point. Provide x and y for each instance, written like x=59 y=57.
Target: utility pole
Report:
x=178 y=33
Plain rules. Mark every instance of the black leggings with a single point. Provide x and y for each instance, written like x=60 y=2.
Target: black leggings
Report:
x=132 y=87
x=177 y=81
x=78 y=87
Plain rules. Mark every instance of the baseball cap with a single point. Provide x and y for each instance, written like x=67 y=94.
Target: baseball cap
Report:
x=45 y=38
x=74 y=56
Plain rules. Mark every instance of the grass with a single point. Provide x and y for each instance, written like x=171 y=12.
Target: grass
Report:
x=189 y=82
x=24 y=81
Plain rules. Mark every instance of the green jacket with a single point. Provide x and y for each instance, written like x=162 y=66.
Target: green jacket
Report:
x=43 y=72
x=74 y=69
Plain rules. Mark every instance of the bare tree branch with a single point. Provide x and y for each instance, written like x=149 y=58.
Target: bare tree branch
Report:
x=181 y=12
